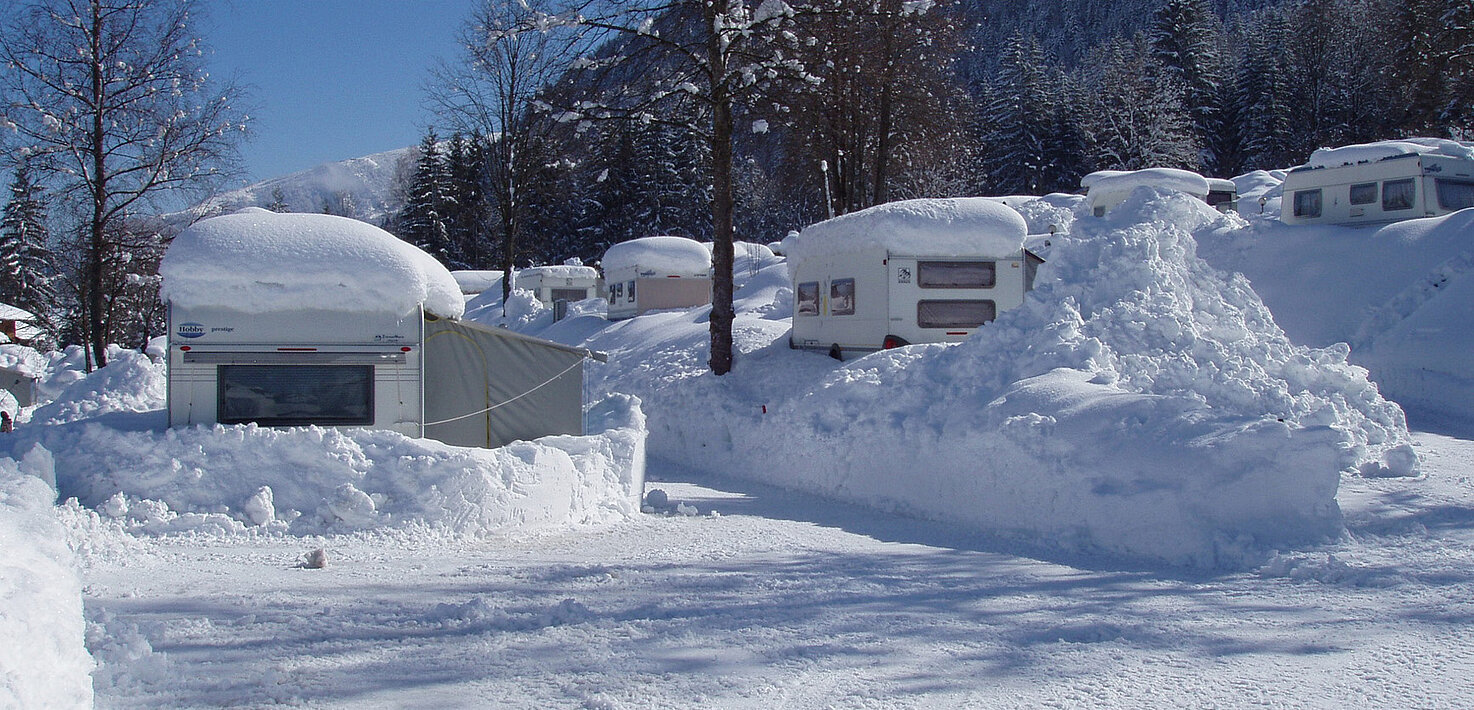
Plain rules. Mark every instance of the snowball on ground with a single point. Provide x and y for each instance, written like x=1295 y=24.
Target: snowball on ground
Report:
x=963 y=226
x=664 y=254
x=1369 y=152
x=43 y=658
x=257 y=261
x=1160 y=178
x=559 y=271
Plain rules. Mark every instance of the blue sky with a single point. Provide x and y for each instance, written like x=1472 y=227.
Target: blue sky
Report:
x=331 y=79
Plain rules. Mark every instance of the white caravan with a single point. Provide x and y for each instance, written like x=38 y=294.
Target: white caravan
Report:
x=1107 y=188
x=567 y=282
x=1380 y=182
x=656 y=273
x=307 y=319
x=915 y=271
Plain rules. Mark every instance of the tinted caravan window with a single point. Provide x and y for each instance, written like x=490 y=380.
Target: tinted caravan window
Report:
x=954 y=314
x=296 y=395
x=1307 y=203
x=807 y=302
x=569 y=294
x=1364 y=194
x=1398 y=194
x=1455 y=194
x=842 y=297
x=956 y=274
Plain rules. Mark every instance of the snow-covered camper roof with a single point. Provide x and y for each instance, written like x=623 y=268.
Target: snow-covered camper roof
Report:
x=1381 y=150
x=674 y=255
x=259 y=261
x=559 y=271
x=745 y=250
x=473 y=282
x=1092 y=178
x=1160 y=178
x=25 y=322
x=960 y=226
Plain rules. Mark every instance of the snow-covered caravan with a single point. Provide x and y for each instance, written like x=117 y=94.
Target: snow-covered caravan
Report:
x=475 y=282
x=308 y=319
x=915 y=271
x=654 y=273
x=1377 y=182
x=566 y=282
x=1107 y=188
x=1223 y=195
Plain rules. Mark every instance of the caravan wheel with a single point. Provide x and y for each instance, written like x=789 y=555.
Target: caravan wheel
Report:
x=836 y=353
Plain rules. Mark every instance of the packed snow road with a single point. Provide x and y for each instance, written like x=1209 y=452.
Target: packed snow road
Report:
x=765 y=598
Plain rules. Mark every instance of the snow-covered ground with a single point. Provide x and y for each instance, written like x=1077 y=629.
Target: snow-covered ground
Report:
x=1133 y=491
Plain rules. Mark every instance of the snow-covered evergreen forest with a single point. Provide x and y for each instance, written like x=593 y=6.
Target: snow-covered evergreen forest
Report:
x=559 y=142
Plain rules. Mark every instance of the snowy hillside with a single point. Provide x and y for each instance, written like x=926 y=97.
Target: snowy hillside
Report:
x=365 y=185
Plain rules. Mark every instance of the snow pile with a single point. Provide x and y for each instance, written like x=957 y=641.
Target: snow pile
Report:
x=111 y=456
x=43 y=659
x=964 y=226
x=665 y=255
x=257 y=261
x=26 y=361
x=1050 y=214
x=1139 y=403
x=1399 y=295
x=1381 y=150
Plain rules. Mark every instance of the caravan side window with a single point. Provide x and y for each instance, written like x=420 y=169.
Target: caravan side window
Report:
x=956 y=274
x=842 y=297
x=806 y=303
x=1307 y=203
x=1398 y=195
x=1364 y=194
x=616 y=292
x=295 y=395
x=1454 y=194
x=954 y=314
x=630 y=293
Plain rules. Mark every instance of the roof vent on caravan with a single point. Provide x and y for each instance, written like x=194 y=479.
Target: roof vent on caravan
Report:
x=310 y=319
x=656 y=273
x=1380 y=182
x=1105 y=189
x=915 y=271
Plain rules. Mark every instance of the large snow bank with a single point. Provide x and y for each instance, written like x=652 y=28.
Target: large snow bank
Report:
x=1399 y=294
x=1379 y=150
x=665 y=255
x=43 y=657
x=1139 y=403
x=104 y=434
x=257 y=261
x=962 y=226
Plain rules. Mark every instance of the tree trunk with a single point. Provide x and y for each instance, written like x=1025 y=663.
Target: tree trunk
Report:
x=722 y=312
x=97 y=228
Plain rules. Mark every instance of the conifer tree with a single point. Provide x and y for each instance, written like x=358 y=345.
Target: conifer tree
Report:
x=1185 y=40
x=424 y=219
x=27 y=270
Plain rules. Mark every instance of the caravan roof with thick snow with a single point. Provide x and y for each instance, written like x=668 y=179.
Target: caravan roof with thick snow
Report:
x=1369 y=152
x=560 y=271
x=1186 y=181
x=669 y=255
x=961 y=226
x=258 y=261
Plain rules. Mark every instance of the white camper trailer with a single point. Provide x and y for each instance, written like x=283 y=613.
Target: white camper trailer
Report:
x=307 y=319
x=566 y=282
x=1380 y=182
x=1107 y=188
x=655 y=273
x=915 y=271
x=475 y=282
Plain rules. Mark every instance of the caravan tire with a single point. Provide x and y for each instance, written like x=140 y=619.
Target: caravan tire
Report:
x=836 y=353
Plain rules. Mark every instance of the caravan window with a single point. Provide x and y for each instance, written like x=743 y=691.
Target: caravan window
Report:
x=842 y=297
x=1307 y=203
x=807 y=302
x=956 y=274
x=954 y=314
x=1398 y=195
x=616 y=292
x=296 y=395
x=1364 y=194
x=630 y=293
x=569 y=294
x=1455 y=194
